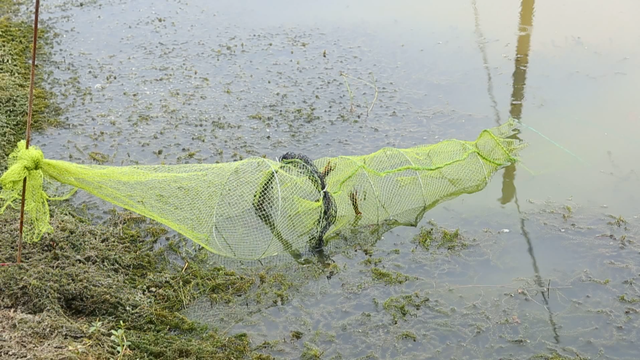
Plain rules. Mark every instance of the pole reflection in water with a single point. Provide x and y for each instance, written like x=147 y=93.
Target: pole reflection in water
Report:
x=485 y=62
x=509 y=192
x=517 y=92
x=508 y=179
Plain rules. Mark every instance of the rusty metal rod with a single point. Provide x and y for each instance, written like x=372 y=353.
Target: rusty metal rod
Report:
x=29 y=117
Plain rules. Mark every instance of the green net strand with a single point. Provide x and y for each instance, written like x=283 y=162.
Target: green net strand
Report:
x=397 y=186
x=257 y=207
x=26 y=163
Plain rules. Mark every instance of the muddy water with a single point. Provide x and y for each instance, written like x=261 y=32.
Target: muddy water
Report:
x=201 y=81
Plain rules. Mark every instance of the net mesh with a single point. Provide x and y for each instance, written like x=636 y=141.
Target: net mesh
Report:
x=257 y=207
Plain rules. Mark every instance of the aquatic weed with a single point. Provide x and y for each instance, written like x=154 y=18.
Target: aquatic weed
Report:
x=389 y=277
x=311 y=352
x=399 y=307
x=436 y=237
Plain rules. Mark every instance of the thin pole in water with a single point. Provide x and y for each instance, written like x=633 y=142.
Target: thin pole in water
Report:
x=29 y=116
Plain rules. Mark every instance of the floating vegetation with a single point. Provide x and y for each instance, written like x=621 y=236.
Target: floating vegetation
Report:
x=296 y=335
x=629 y=300
x=556 y=356
x=435 y=237
x=372 y=261
x=618 y=221
x=389 y=277
x=408 y=335
x=99 y=157
x=399 y=307
x=311 y=352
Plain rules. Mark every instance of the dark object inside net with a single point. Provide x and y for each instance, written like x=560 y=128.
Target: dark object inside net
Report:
x=264 y=196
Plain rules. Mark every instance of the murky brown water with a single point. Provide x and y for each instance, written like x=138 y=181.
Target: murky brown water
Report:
x=230 y=79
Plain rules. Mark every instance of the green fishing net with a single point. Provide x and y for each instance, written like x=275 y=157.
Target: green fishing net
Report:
x=257 y=207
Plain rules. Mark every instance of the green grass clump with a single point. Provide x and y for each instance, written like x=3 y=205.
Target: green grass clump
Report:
x=102 y=291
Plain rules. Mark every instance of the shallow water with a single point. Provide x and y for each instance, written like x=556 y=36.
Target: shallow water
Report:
x=201 y=81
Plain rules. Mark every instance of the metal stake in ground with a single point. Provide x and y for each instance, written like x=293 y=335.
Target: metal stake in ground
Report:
x=29 y=115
